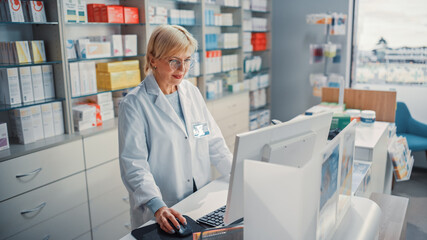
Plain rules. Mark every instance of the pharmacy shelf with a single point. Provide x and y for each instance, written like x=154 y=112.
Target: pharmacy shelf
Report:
x=257 y=11
x=104 y=58
x=224 y=26
x=185 y=2
x=222 y=72
x=265 y=69
x=257 y=31
x=13 y=65
x=267 y=106
x=28 y=23
x=183 y=25
x=259 y=51
x=259 y=88
x=17 y=150
x=225 y=49
x=99 y=92
x=103 y=24
x=225 y=94
x=4 y=107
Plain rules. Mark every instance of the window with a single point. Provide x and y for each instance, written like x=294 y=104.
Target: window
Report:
x=390 y=42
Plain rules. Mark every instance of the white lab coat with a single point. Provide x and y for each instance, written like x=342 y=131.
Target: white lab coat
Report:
x=157 y=156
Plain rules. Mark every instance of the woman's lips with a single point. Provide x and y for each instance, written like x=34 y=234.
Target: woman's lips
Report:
x=177 y=76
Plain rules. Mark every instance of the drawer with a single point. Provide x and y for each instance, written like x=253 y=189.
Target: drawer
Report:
x=103 y=178
x=42 y=204
x=101 y=148
x=228 y=106
x=116 y=228
x=68 y=225
x=232 y=125
x=27 y=172
x=108 y=205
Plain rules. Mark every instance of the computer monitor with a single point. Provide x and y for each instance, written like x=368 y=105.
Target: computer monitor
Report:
x=264 y=145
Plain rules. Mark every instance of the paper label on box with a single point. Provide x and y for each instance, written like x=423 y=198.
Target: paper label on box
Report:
x=130 y=45
x=47 y=117
x=10 y=88
x=36 y=117
x=26 y=84
x=38 y=51
x=37 y=11
x=70 y=10
x=23 y=51
x=15 y=10
x=58 y=119
x=48 y=83
x=38 y=88
x=82 y=11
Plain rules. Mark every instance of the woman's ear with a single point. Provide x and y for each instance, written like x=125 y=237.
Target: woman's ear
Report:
x=153 y=61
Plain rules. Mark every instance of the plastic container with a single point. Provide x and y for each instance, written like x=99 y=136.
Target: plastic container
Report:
x=367 y=118
x=354 y=114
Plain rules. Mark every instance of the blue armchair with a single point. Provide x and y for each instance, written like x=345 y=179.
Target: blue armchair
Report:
x=414 y=131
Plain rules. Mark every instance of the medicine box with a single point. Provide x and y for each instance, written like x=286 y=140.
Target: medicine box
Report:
x=36 y=116
x=58 y=118
x=23 y=52
x=83 y=112
x=14 y=10
x=94 y=12
x=116 y=45
x=22 y=127
x=36 y=11
x=37 y=51
x=47 y=116
x=84 y=78
x=70 y=10
x=37 y=78
x=4 y=138
x=101 y=98
x=98 y=49
x=75 y=79
x=129 y=45
x=10 y=91
x=26 y=84
x=107 y=115
x=112 y=14
x=81 y=11
x=48 y=83
x=131 y=15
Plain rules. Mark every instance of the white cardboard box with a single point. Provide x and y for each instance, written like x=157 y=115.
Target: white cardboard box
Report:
x=10 y=91
x=91 y=74
x=22 y=127
x=106 y=106
x=36 y=116
x=26 y=84
x=129 y=45
x=47 y=116
x=37 y=11
x=116 y=45
x=101 y=97
x=48 y=83
x=84 y=112
x=75 y=79
x=81 y=11
x=58 y=118
x=107 y=115
x=14 y=10
x=84 y=78
x=70 y=10
x=38 y=88
x=4 y=139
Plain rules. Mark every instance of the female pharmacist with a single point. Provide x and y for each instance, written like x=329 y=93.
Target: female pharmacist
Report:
x=167 y=137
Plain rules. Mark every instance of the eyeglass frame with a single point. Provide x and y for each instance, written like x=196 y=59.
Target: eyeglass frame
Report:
x=180 y=62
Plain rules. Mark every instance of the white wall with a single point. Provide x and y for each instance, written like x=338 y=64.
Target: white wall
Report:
x=291 y=93
x=415 y=97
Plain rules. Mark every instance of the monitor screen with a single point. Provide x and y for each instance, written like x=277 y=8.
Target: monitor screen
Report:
x=264 y=145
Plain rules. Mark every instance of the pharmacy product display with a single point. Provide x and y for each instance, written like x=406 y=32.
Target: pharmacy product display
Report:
x=326 y=52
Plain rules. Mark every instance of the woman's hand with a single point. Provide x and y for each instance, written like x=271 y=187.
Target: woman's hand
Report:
x=163 y=214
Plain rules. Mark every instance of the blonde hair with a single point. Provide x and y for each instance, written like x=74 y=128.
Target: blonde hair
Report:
x=167 y=40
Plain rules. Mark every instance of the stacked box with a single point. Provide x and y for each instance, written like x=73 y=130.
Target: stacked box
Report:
x=37 y=78
x=48 y=83
x=106 y=105
x=47 y=116
x=84 y=117
x=118 y=75
x=36 y=116
x=58 y=118
x=4 y=138
x=10 y=90
x=22 y=125
x=26 y=84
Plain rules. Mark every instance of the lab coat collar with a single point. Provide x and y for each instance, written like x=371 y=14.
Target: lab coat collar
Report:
x=161 y=101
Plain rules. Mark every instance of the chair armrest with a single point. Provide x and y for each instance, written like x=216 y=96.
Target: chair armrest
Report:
x=417 y=128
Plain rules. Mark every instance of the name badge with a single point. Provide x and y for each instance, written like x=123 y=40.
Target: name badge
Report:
x=200 y=129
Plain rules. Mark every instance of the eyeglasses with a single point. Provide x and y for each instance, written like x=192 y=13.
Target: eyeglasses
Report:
x=176 y=64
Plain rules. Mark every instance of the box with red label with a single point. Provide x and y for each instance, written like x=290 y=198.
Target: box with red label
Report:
x=94 y=12
x=131 y=14
x=97 y=112
x=112 y=14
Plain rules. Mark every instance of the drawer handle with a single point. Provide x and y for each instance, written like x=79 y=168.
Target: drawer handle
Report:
x=34 y=209
x=47 y=237
x=126 y=199
x=29 y=174
x=127 y=226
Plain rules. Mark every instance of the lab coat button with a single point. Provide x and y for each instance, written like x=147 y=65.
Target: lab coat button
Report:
x=188 y=180
x=185 y=137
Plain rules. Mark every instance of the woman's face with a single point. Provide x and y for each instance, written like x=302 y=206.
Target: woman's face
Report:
x=171 y=70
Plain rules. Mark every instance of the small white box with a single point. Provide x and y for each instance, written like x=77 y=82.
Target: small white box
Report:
x=83 y=125
x=10 y=91
x=81 y=11
x=36 y=116
x=26 y=84
x=91 y=74
x=14 y=10
x=75 y=79
x=22 y=128
x=4 y=138
x=37 y=77
x=47 y=116
x=106 y=106
x=129 y=45
x=58 y=118
x=37 y=11
x=161 y=11
x=84 y=112
x=48 y=83
x=101 y=98
x=151 y=11
x=107 y=115
x=116 y=45
x=70 y=10
x=84 y=78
